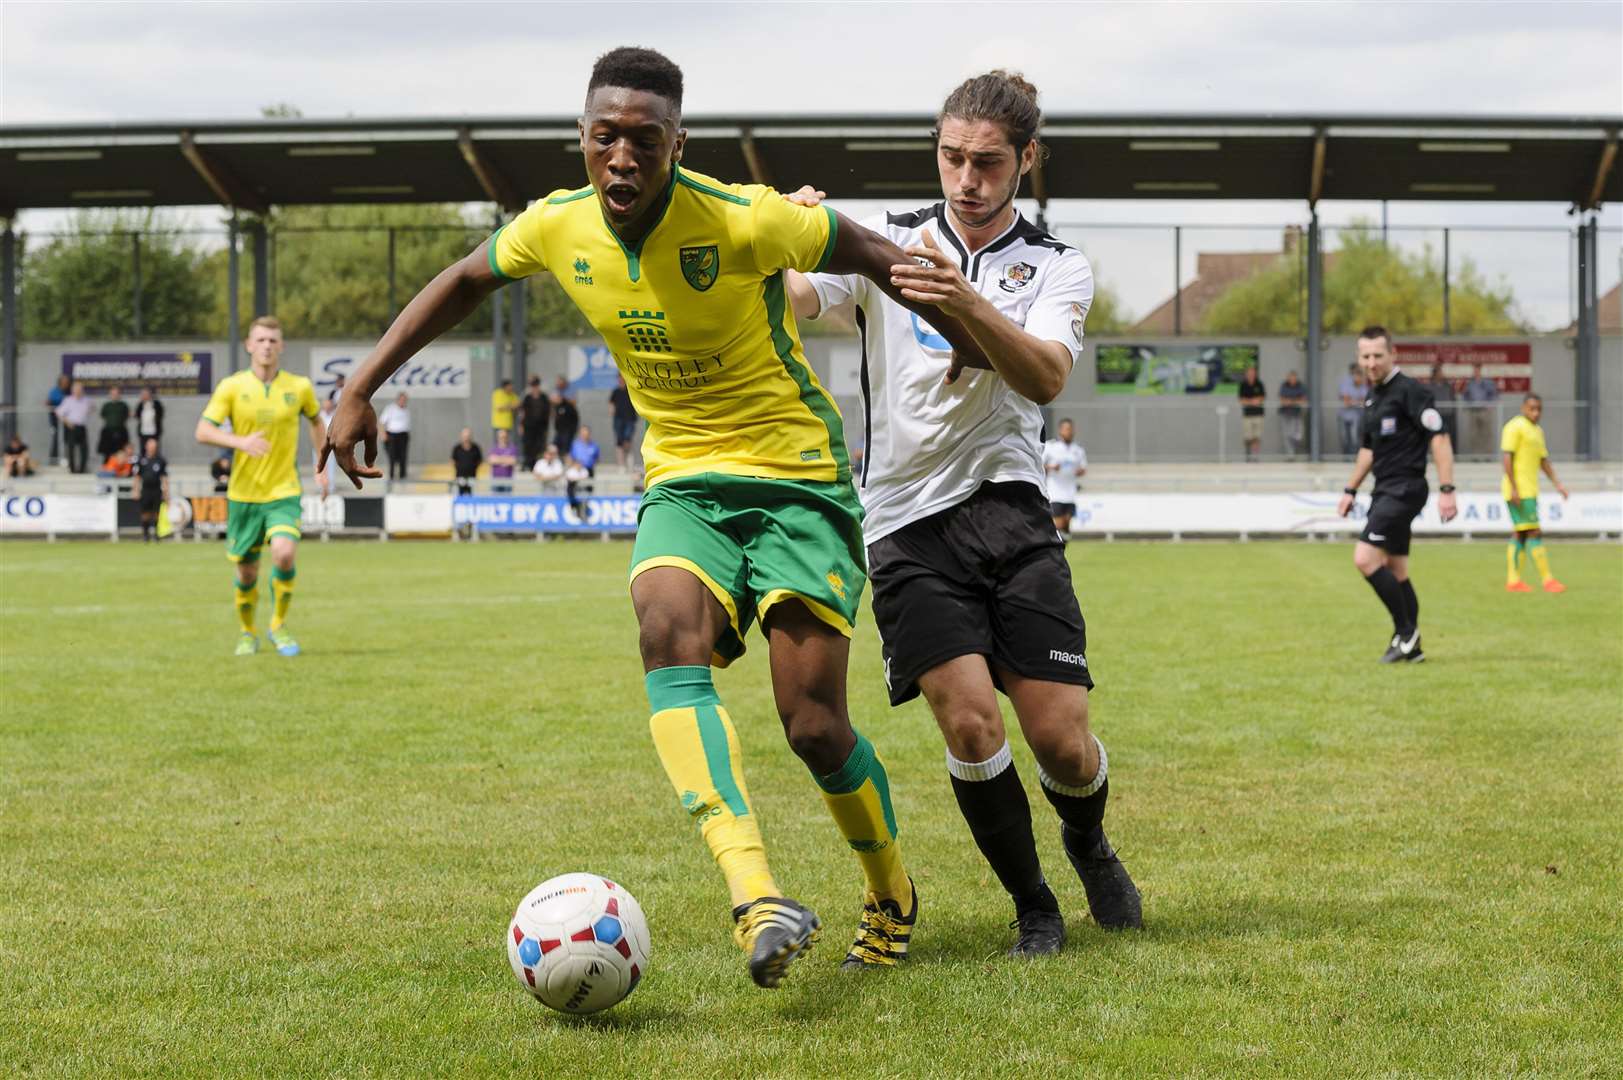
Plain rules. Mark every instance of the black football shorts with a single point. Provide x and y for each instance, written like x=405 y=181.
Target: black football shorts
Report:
x=1392 y=511
x=985 y=577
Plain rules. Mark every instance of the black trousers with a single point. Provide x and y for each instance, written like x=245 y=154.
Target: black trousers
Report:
x=76 y=445
x=397 y=446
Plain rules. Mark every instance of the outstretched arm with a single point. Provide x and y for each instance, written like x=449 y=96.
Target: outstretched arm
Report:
x=861 y=251
x=1549 y=470
x=443 y=303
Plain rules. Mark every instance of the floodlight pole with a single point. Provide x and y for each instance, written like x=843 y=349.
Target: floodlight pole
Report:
x=233 y=288
x=1315 y=331
x=1588 y=343
x=497 y=342
x=256 y=233
x=135 y=289
x=8 y=325
x=516 y=333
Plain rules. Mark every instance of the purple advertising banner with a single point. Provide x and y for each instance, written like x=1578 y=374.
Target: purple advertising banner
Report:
x=172 y=373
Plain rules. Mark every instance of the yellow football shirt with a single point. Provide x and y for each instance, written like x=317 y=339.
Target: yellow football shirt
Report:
x=502 y=404
x=1523 y=440
x=698 y=320
x=270 y=409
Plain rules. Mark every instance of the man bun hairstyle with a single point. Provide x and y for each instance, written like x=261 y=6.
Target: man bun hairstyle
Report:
x=632 y=68
x=1003 y=97
x=1370 y=333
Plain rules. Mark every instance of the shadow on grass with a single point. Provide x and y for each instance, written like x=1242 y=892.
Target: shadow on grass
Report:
x=622 y=1019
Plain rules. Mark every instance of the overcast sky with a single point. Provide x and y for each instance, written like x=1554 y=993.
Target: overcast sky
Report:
x=98 y=62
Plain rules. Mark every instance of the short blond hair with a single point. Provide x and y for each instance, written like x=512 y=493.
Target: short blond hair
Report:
x=269 y=322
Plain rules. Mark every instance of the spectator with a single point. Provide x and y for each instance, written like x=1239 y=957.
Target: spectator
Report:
x=585 y=451
x=220 y=470
x=1442 y=393
x=1482 y=412
x=625 y=421
x=148 y=417
x=502 y=403
x=120 y=463
x=336 y=394
x=1253 y=399
x=396 y=426
x=74 y=412
x=58 y=393
x=18 y=461
x=1292 y=421
x=334 y=473
x=549 y=470
x=565 y=422
x=1351 y=392
x=151 y=487
x=503 y=456
x=577 y=484
x=115 y=423
x=465 y=459
x=534 y=417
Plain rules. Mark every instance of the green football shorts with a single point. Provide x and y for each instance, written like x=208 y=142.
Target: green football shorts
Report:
x=755 y=541
x=1523 y=513
x=249 y=525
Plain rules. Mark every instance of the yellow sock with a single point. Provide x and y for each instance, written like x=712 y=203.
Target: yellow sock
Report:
x=701 y=754
x=1541 y=558
x=247 y=601
x=858 y=796
x=282 y=595
x=1513 y=561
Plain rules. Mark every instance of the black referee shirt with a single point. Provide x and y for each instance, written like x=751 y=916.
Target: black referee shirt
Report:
x=152 y=471
x=1400 y=418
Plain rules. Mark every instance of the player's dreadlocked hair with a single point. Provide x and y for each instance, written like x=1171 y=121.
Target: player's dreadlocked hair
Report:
x=1003 y=97
x=638 y=69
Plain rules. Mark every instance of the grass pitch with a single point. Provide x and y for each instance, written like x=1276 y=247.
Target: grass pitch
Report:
x=222 y=867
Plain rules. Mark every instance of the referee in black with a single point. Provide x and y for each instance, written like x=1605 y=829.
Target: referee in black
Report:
x=1400 y=420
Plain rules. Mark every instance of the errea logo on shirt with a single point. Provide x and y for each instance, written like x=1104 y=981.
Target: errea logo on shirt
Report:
x=583 y=271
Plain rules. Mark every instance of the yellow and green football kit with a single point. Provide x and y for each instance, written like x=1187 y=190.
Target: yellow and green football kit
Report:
x=1523 y=440
x=262 y=499
x=749 y=485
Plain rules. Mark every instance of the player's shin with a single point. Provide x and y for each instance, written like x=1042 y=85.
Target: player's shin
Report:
x=700 y=751
x=247 y=599
x=1513 y=561
x=994 y=804
x=1540 y=557
x=1388 y=588
x=858 y=798
x=281 y=594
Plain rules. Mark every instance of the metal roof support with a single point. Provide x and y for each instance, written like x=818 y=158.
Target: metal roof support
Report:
x=497 y=344
x=1603 y=172
x=8 y=326
x=753 y=157
x=1039 y=187
x=226 y=187
x=1315 y=331
x=233 y=269
x=135 y=289
x=496 y=185
x=1588 y=381
x=1315 y=181
x=517 y=330
x=256 y=232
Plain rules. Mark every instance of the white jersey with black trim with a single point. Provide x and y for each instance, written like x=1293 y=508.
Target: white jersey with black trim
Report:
x=1066 y=458
x=929 y=445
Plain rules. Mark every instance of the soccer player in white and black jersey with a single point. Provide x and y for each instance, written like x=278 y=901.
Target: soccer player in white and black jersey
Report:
x=972 y=593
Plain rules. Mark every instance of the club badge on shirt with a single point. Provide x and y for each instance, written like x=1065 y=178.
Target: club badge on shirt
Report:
x=1017 y=276
x=1389 y=425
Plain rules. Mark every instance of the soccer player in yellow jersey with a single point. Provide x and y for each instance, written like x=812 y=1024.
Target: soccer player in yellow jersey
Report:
x=263 y=406
x=1525 y=453
x=750 y=512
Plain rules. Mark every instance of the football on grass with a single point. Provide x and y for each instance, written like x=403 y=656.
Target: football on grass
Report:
x=579 y=943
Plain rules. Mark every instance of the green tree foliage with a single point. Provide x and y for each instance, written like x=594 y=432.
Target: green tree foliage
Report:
x=1367 y=282
x=79 y=285
x=1107 y=315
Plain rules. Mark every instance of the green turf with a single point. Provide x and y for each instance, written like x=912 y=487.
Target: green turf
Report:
x=213 y=866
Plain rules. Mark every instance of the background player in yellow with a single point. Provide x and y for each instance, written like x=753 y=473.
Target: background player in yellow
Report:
x=502 y=403
x=750 y=512
x=1524 y=454
x=263 y=405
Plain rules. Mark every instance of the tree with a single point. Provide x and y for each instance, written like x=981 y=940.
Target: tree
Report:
x=1107 y=315
x=80 y=284
x=1367 y=282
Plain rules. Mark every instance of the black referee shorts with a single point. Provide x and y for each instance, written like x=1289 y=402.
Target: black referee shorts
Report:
x=985 y=577
x=1392 y=511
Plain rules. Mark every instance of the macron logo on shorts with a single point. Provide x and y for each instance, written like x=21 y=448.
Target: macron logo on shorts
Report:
x=1068 y=657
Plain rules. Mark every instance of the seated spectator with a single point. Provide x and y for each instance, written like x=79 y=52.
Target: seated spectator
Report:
x=120 y=462
x=549 y=469
x=465 y=460
x=18 y=460
x=503 y=457
x=220 y=469
x=577 y=484
x=585 y=451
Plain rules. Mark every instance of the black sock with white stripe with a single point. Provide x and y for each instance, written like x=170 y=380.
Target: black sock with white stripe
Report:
x=994 y=803
x=1080 y=806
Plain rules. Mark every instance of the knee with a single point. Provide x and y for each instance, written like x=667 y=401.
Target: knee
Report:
x=283 y=560
x=1062 y=748
x=819 y=736
x=1368 y=560
x=667 y=637
x=974 y=731
x=247 y=574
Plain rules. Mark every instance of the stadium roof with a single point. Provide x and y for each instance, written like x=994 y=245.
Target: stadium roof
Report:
x=257 y=164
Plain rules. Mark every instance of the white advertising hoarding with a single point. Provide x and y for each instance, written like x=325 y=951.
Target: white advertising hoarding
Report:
x=439 y=371
x=58 y=514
